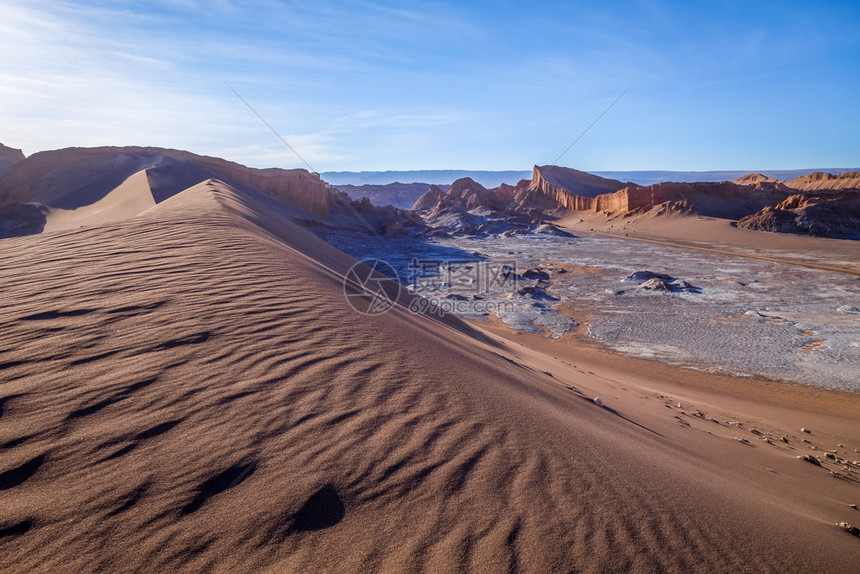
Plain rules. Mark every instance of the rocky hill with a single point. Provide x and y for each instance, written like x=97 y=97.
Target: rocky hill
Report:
x=428 y=200
x=826 y=214
x=400 y=195
x=760 y=202
x=9 y=156
x=580 y=191
x=754 y=179
x=550 y=187
x=818 y=181
x=712 y=199
x=564 y=184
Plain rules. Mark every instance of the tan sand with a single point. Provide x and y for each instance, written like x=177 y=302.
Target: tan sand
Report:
x=188 y=390
x=130 y=198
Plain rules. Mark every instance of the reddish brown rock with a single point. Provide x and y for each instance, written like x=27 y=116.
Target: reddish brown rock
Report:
x=819 y=181
x=833 y=214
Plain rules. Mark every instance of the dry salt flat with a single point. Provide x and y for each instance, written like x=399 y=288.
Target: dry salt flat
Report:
x=742 y=316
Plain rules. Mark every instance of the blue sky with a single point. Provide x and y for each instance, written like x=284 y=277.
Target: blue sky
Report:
x=465 y=85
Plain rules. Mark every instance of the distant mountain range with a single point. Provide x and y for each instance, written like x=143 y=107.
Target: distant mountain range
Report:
x=442 y=177
x=402 y=188
x=490 y=179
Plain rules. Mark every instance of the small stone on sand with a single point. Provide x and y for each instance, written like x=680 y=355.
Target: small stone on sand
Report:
x=810 y=458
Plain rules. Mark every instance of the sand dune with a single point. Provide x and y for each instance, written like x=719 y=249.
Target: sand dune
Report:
x=78 y=177
x=132 y=197
x=188 y=390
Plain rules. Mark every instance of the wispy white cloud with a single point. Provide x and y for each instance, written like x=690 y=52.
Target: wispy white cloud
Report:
x=70 y=84
x=399 y=118
x=101 y=75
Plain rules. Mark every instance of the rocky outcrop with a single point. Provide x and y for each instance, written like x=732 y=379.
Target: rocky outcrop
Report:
x=753 y=179
x=833 y=214
x=556 y=181
x=579 y=191
x=819 y=181
x=18 y=219
x=714 y=199
x=428 y=200
x=388 y=220
x=467 y=207
x=571 y=188
x=295 y=186
x=816 y=181
x=401 y=195
x=722 y=199
x=661 y=282
x=557 y=187
x=9 y=156
x=466 y=194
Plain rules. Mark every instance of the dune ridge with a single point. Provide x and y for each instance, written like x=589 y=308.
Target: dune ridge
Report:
x=130 y=198
x=75 y=177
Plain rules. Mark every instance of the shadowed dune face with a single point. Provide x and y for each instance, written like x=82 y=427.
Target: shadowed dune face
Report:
x=189 y=390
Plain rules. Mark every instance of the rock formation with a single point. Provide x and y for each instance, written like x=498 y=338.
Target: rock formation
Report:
x=388 y=220
x=560 y=183
x=826 y=214
x=18 y=219
x=579 y=191
x=467 y=207
x=753 y=179
x=819 y=181
x=428 y=200
x=9 y=156
x=400 y=195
